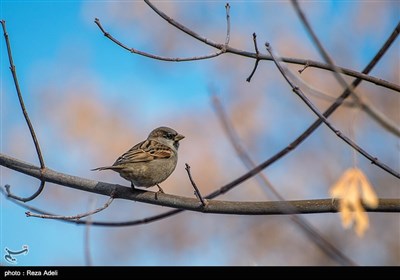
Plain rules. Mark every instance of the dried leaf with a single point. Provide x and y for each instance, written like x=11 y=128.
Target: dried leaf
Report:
x=361 y=221
x=352 y=188
x=368 y=194
x=346 y=214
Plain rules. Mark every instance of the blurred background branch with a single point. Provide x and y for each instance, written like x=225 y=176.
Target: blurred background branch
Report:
x=312 y=233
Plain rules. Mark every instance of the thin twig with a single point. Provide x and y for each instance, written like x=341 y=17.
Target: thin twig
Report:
x=257 y=58
x=149 y=55
x=21 y=101
x=26 y=116
x=303 y=97
x=311 y=63
x=228 y=24
x=196 y=189
x=304 y=68
x=25 y=199
x=366 y=106
x=75 y=217
x=312 y=233
x=171 y=59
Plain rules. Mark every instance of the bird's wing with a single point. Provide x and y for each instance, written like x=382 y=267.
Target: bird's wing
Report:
x=145 y=151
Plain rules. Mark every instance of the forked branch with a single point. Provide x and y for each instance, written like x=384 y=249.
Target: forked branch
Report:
x=27 y=120
x=299 y=92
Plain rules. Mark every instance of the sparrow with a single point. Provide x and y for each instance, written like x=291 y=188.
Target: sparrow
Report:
x=150 y=162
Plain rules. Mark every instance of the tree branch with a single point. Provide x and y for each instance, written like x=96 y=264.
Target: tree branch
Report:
x=27 y=119
x=163 y=58
x=149 y=55
x=367 y=107
x=179 y=202
x=257 y=59
x=196 y=189
x=312 y=233
x=310 y=63
x=316 y=124
x=75 y=217
x=303 y=97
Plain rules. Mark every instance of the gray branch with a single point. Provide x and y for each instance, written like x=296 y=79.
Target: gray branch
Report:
x=179 y=202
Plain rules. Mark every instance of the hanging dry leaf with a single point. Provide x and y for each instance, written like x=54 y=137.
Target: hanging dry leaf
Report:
x=353 y=189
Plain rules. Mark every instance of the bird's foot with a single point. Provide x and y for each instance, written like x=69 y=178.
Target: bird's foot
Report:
x=160 y=190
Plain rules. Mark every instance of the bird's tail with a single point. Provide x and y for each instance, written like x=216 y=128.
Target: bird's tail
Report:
x=105 y=168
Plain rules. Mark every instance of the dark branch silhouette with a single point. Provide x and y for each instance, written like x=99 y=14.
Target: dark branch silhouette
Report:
x=170 y=59
x=313 y=108
x=257 y=58
x=196 y=189
x=311 y=63
x=368 y=108
x=75 y=217
x=224 y=48
x=27 y=120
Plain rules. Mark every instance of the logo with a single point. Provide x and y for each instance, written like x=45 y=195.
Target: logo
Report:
x=10 y=253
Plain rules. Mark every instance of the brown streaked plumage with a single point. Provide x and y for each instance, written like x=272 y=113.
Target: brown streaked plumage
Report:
x=150 y=162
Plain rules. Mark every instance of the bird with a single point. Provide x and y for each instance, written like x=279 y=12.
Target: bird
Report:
x=151 y=161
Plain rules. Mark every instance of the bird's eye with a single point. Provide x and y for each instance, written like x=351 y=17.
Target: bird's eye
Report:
x=170 y=136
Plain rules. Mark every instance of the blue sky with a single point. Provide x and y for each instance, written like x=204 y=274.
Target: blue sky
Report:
x=61 y=55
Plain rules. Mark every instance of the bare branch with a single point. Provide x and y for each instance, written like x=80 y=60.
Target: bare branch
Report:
x=163 y=58
x=303 y=97
x=304 y=68
x=179 y=202
x=257 y=58
x=311 y=232
x=228 y=24
x=27 y=119
x=25 y=199
x=368 y=108
x=75 y=217
x=315 y=125
x=175 y=59
x=196 y=189
x=311 y=63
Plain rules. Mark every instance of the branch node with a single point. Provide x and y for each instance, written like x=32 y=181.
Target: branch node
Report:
x=305 y=67
x=257 y=58
x=196 y=190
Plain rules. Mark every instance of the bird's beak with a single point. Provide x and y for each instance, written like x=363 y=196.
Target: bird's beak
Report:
x=179 y=137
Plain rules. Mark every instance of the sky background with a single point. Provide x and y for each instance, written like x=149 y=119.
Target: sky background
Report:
x=90 y=100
